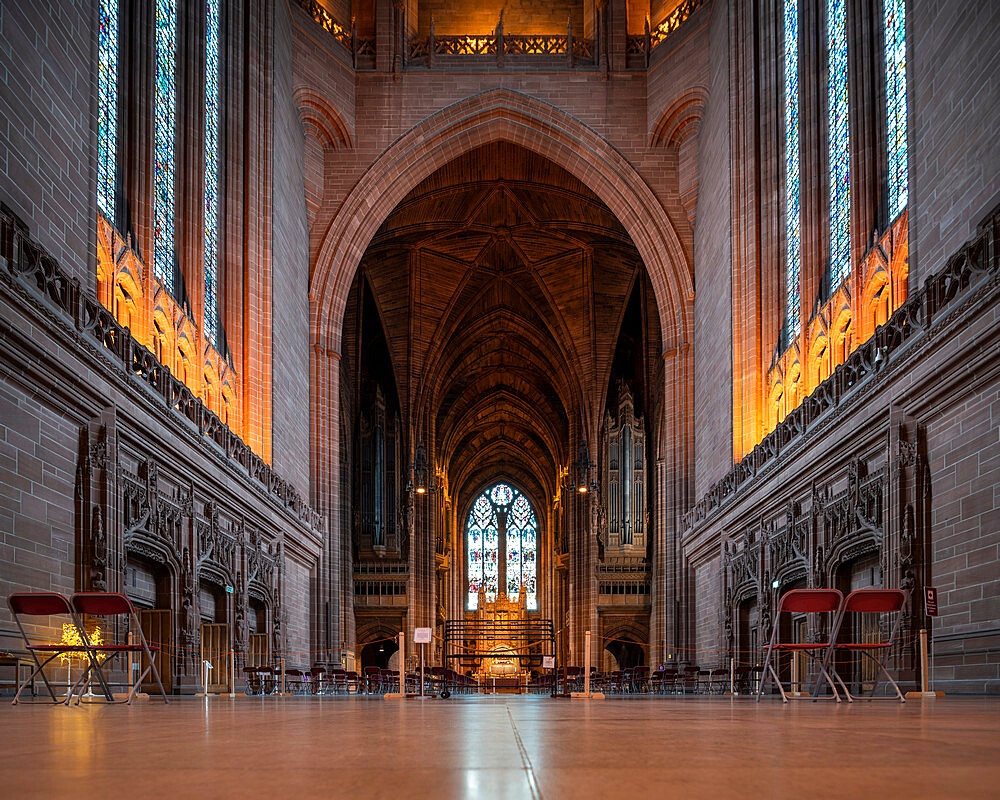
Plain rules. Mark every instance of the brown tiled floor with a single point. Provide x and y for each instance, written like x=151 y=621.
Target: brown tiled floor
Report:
x=517 y=747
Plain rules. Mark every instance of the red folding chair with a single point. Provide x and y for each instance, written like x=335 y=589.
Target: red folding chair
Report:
x=112 y=604
x=254 y=684
x=50 y=604
x=801 y=601
x=640 y=678
x=868 y=601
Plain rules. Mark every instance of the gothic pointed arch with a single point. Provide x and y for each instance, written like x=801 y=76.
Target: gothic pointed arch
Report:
x=680 y=119
x=500 y=114
x=322 y=120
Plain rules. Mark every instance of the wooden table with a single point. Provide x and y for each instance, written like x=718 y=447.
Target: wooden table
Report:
x=17 y=660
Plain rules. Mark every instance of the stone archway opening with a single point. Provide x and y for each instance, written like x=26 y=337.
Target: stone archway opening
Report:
x=378 y=654
x=494 y=361
x=623 y=654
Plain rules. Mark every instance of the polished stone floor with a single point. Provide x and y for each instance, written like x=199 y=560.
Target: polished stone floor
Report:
x=502 y=747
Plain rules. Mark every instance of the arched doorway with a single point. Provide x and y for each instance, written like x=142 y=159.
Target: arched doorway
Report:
x=861 y=572
x=260 y=650
x=378 y=654
x=747 y=631
x=510 y=277
x=148 y=585
x=625 y=654
x=216 y=641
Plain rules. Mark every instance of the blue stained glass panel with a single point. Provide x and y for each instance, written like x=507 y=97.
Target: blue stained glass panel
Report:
x=839 y=143
x=211 y=249
x=793 y=245
x=107 y=106
x=164 y=133
x=895 y=96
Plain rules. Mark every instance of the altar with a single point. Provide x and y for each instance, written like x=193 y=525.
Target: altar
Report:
x=503 y=670
x=499 y=644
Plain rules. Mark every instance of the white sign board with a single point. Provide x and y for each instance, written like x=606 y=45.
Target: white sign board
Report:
x=548 y=662
x=422 y=635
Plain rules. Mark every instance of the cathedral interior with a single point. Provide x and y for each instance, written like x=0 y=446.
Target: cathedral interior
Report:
x=502 y=355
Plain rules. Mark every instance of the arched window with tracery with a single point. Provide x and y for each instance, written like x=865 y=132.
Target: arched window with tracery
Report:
x=501 y=539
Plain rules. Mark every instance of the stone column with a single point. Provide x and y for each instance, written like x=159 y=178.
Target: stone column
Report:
x=617 y=33
x=326 y=485
x=906 y=528
x=659 y=559
x=99 y=522
x=675 y=452
x=582 y=521
x=385 y=14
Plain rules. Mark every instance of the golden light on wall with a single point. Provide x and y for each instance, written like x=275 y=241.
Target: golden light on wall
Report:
x=866 y=300
x=129 y=290
x=677 y=16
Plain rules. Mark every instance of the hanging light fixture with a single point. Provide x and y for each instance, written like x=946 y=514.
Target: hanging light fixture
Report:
x=421 y=481
x=580 y=475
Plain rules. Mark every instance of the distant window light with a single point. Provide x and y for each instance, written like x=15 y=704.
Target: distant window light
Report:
x=839 y=140
x=211 y=248
x=895 y=95
x=482 y=538
x=793 y=246
x=107 y=106
x=164 y=134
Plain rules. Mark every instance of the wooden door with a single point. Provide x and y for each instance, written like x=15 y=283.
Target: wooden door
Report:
x=801 y=676
x=215 y=650
x=158 y=627
x=866 y=671
x=260 y=652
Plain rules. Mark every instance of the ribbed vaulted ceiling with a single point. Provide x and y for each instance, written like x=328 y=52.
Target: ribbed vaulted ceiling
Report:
x=501 y=282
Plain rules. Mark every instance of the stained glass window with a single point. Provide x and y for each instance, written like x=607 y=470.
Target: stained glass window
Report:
x=502 y=531
x=501 y=494
x=522 y=530
x=165 y=99
x=211 y=250
x=839 y=143
x=793 y=250
x=895 y=95
x=107 y=106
